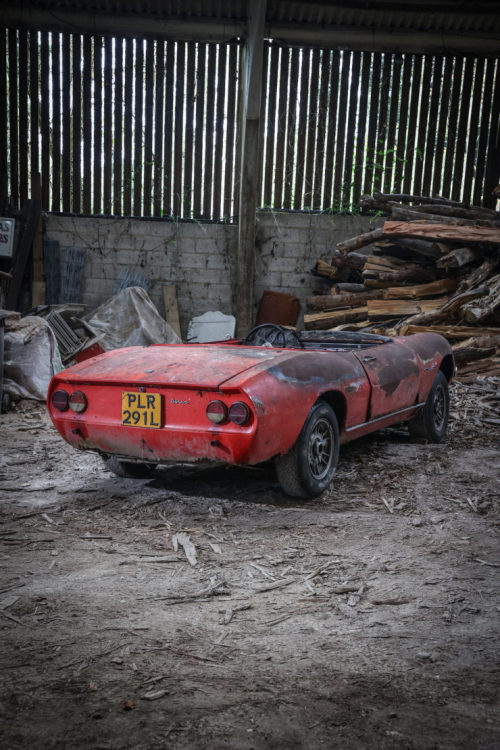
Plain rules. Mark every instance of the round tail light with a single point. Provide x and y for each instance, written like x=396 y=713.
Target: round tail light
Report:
x=60 y=400
x=78 y=401
x=217 y=412
x=239 y=413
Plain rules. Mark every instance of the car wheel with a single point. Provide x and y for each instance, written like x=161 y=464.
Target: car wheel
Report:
x=431 y=421
x=308 y=468
x=128 y=469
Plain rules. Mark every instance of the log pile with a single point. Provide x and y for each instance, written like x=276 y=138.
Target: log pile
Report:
x=433 y=266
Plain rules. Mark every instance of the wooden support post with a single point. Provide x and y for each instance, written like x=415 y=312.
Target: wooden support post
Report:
x=250 y=163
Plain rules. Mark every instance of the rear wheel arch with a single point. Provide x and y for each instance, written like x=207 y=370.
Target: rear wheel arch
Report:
x=447 y=367
x=338 y=403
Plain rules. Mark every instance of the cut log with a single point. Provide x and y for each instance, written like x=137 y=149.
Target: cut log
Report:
x=479 y=309
x=459 y=212
x=457 y=258
x=350 y=260
x=395 y=277
x=439 y=231
x=479 y=275
x=335 y=301
x=412 y=214
x=322 y=268
x=451 y=332
x=345 y=287
x=421 y=247
x=421 y=291
x=360 y=241
x=322 y=321
x=449 y=308
x=378 y=309
x=404 y=198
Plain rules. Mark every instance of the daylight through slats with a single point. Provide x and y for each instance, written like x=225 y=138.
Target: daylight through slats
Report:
x=150 y=127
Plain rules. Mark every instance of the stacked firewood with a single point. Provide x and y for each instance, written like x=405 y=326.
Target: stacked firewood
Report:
x=432 y=266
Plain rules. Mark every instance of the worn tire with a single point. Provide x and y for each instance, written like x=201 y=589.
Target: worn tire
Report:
x=308 y=468
x=128 y=469
x=431 y=421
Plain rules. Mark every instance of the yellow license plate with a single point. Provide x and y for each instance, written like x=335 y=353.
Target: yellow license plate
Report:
x=141 y=409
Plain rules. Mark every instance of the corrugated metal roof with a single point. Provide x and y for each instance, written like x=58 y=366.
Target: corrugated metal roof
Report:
x=370 y=20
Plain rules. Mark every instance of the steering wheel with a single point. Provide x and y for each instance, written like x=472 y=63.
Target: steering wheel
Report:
x=270 y=334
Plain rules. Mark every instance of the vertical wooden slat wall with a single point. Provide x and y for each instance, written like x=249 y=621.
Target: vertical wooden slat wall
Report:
x=148 y=128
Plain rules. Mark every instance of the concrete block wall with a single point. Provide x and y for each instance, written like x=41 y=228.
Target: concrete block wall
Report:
x=198 y=258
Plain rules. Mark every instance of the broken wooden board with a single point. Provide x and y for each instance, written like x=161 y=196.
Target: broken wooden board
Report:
x=171 y=307
x=441 y=231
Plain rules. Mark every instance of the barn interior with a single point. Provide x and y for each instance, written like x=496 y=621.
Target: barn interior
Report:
x=182 y=172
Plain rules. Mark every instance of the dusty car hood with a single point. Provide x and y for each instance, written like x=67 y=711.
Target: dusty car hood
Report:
x=206 y=366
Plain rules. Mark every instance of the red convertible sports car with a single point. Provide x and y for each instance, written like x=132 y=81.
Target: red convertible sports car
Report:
x=278 y=395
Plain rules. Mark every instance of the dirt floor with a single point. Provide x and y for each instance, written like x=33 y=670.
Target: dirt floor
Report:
x=365 y=619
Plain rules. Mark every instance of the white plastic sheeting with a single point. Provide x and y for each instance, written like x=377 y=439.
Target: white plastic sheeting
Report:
x=31 y=357
x=130 y=319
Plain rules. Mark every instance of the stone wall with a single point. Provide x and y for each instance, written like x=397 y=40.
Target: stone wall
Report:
x=197 y=257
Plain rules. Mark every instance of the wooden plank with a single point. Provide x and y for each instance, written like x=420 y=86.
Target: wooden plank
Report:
x=34 y=166
x=271 y=119
x=460 y=152
x=444 y=103
x=23 y=115
x=38 y=284
x=13 y=118
x=291 y=134
x=159 y=67
x=360 y=156
x=87 y=125
x=187 y=189
x=411 y=142
x=371 y=147
x=3 y=122
x=284 y=69
x=108 y=125
x=441 y=231
x=432 y=127
x=395 y=89
x=30 y=217
x=351 y=132
x=66 y=123
x=300 y=167
x=148 y=129
x=472 y=156
x=97 y=112
x=138 y=126
x=320 y=148
x=169 y=129
x=118 y=128
x=209 y=133
x=171 y=307
x=492 y=175
x=230 y=165
x=77 y=123
x=198 y=137
x=451 y=134
x=56 y=122
x=128 y=126
x=323 y=321
x=179 y=129
x=450 y=331
x=420 y=291
x=486 y=105
x=219 y=132
x=341 y=130
x=312 y=126
x=422 y=126
x=44 y=117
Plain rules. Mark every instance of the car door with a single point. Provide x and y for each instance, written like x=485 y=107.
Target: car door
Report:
x=394 y=374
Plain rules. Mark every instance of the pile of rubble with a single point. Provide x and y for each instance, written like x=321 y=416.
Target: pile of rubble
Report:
x=432 y=266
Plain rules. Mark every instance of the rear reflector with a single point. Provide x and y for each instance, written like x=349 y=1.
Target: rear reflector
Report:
x=239 y=413
x=60 y=400
x=78 y=401
x=217 y=412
